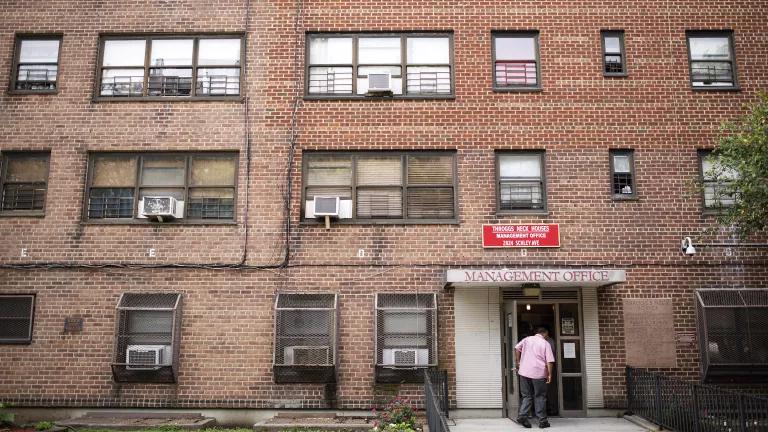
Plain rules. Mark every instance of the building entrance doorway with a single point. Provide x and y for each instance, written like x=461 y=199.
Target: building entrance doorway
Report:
x=565 y=395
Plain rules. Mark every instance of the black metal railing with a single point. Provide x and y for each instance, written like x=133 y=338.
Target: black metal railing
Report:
x=690 y=407
x=436 y=399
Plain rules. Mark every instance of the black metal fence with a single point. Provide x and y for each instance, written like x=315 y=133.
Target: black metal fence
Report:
x=436 y=399
x=689 y=407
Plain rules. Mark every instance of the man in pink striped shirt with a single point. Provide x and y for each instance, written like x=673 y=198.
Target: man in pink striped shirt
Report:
x=534 y=358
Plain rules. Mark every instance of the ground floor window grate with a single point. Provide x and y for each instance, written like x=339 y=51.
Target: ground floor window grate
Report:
x=17 y=313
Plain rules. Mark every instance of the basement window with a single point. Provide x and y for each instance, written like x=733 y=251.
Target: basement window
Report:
x=147 y=338
x=36 y=64
x=305 y=338
x=732 y=326
x=17 y=312
x=24 y=182
x=169 y=67
x=406 y=336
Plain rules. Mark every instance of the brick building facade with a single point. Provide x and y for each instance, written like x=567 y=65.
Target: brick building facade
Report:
x=229 y=272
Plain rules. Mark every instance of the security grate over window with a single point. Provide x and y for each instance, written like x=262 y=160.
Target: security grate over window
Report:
x=406 y=336
x=733 y=334
x=17 y=313
x=147 y=338
x=305 y=338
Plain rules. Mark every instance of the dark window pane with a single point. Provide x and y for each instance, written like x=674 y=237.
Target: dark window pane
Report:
x=430 y=203
x=211 y=203
x=571 y=361
x=16 y=318
x=380 y=203
x=24 y=196
x=569 y=319
x=170 y=82
x=573 y=398
x=614 y=63
x=110 y=203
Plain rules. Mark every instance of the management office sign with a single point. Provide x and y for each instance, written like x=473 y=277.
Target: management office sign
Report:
x=545 y=277
x=521 y=236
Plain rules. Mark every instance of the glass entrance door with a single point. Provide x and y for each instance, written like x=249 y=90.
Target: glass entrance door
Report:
x=565 y=396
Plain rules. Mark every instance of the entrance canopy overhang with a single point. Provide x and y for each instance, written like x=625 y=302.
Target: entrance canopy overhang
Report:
x=544 y=277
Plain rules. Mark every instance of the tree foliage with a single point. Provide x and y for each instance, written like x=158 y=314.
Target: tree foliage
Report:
x=742 y=162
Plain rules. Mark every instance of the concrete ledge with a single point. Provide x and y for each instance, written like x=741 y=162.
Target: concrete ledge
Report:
x=138 y=420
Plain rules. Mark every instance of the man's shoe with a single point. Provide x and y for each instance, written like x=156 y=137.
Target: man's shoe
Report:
x=522 y=421
x=543 y=424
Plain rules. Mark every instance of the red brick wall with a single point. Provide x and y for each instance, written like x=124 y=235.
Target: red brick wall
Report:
x=227 y=335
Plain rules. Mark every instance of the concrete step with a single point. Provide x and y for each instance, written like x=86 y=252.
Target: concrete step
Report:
x=320 y=420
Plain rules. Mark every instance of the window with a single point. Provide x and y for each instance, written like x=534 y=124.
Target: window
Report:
x=170 y=66
x=521 y=184
x=24 y=182
x=733 y=333
x=516 y=61
x=716 y=182
x=418 y=64
x=711 y=59
x=623 y=173
x=386 y=186
x=148 y=334
x=17 y=312
x=406 y=336
x=36 y=64
x=203 y=182
x=305 y=338
x=614 y=57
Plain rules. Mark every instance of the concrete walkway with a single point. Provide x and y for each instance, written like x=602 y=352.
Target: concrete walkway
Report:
x=591 y=424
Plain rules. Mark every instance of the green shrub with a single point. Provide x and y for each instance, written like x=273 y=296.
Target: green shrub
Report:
x=6 y=418
x=43 y=425
x=397 y=416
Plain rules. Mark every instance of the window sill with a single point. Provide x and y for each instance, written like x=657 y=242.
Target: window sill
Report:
x=22 y=213
x=716 y=89
x=19 y=342
x=537 y=89
x=376 y=98
x=32 y=92
x=512 y=213
x=321 y=223
x=620 y=198
x=615 y=75
x=99 y=99
x=136 y=222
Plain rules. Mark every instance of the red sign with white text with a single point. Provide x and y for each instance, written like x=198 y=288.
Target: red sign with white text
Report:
x=521 y=236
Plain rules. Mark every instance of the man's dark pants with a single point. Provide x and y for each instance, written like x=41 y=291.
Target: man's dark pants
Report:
x=534 y=391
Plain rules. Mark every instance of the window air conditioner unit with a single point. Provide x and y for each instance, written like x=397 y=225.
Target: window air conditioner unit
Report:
x=161 y=208
x=379 y=83
x=326 y=206
x=406 y=357
x=147 y=357
x=307 y=355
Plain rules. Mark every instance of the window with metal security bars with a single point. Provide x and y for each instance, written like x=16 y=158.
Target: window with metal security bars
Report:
x=406 y=336
x=716 y=182
x=520 y=181
x=408 y=187
x=516 y=61
x=204 y=182
x=614 y=55
x=623 y=174
x=147 y=337
x=305 y=338
x=711 y=59
x=416 y=64
x=177 y=66
x=733 y=333
x=36 y=64
x=17 y=312
x=24 y=179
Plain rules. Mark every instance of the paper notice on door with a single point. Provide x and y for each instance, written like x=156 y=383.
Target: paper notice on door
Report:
x=569 y=350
